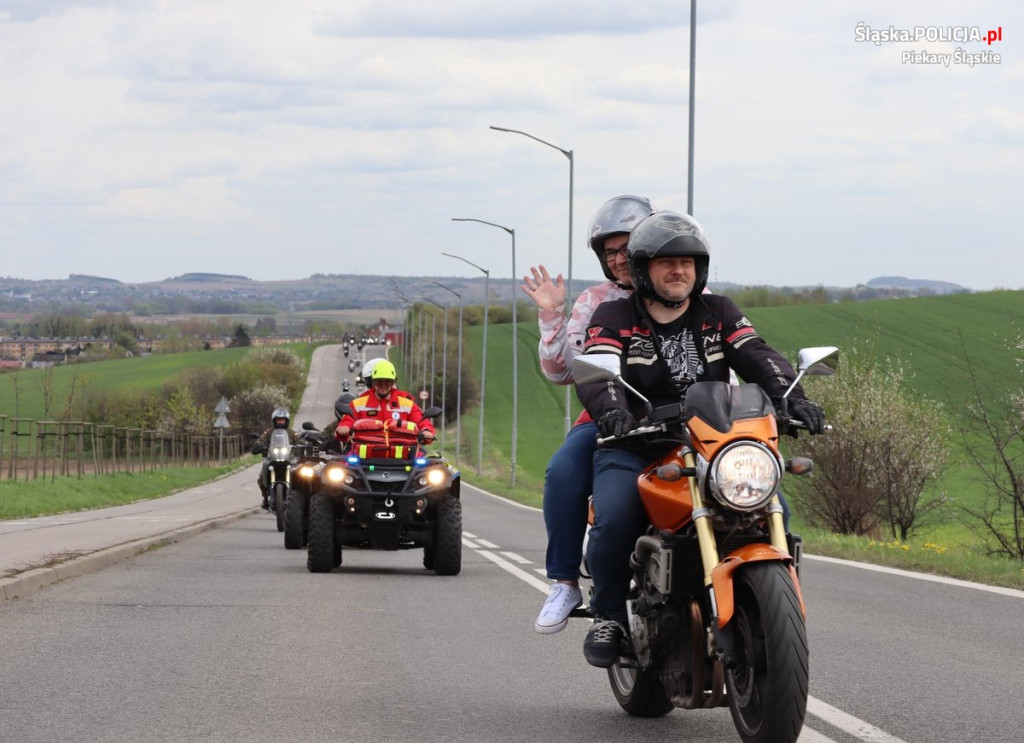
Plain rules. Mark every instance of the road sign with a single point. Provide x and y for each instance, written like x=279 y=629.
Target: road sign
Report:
x=221 y=422
x=424 y=394
x=222 y=406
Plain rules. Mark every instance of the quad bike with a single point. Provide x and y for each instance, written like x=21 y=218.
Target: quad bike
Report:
x=386 y=493
x=715 y=612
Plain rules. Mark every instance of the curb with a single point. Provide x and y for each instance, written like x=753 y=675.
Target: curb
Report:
x=33 y=579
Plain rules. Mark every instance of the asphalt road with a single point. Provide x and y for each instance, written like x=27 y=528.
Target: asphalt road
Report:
x=225 y=636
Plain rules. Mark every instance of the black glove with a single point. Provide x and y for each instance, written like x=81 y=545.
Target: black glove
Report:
x=809 y=413
x=615 y=422
x=258 y=450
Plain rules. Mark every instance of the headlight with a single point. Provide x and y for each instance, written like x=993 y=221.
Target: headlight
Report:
x=307 y=471
x=433 y=478
x=281 y=452
x=337 y=475
x=745 y=476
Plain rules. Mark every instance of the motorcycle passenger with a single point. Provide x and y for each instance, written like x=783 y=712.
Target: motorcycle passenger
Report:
x=669 y=335
x=567 y=480
x=278 y=419
x=385 y=400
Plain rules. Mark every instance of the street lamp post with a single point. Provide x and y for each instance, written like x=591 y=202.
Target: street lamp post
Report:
x=515 y=346
x=458 y=386
x=444 y=367
x=568 y=286
x=483 y=364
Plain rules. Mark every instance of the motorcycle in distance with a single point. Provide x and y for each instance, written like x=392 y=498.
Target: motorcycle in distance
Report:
x=279 y=454
x=386 y=493
x=716 y=616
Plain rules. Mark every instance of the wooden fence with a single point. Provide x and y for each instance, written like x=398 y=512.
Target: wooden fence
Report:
x=31 y=449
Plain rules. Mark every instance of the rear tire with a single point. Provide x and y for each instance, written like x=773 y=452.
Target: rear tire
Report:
x=639 y=691
x=280 y=502
x=447 y=550
x=295 y=520
x=768 y=689
x=321 y=550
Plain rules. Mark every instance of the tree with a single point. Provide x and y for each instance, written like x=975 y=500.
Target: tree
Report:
x=993 y=437
x=241 y=337
x=886 y=447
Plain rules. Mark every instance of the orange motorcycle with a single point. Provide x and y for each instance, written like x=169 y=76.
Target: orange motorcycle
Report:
x=716 y=617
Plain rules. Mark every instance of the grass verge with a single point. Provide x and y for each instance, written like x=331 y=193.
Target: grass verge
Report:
x=20 y=499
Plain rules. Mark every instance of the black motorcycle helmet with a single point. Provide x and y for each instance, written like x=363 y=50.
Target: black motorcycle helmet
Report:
x=617 y=216
x=280 y=418
x=664 y=234
x=344 y=400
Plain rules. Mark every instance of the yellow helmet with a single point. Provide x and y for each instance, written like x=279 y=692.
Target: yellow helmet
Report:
x=384 y=370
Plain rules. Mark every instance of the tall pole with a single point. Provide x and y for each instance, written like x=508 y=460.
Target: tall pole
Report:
x=483 y=364
x=444 y=367
x=458 y=387
x=515 y=344
x=568 y=284
x=693 y=76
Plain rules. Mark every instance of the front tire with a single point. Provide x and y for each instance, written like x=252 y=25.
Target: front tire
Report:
x=295 y=520
x=447 y=550
x=280 y=502
x=321 y=550
x=769 y=686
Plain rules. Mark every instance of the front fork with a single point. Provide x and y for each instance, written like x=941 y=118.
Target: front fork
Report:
x=721 y=581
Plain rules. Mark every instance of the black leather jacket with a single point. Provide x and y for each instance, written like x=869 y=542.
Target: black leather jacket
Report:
x=724 y=338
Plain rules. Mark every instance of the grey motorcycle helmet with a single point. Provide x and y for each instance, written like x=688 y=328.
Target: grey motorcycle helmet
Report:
x=280 y=413
x=617 y=216
x=663 y=234
x=344 y=400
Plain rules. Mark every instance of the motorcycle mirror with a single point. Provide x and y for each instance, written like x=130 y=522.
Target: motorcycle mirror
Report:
x=595 y=367
x=308 y=426
x=432 y=412
x=602 y=367
x=820 y=361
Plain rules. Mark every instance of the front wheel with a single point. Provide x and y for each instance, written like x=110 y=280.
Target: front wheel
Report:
x=321 y=550
x=447 y=551
x=295 y=520
x=639 y=691
x=768 y=686
x=280 y=501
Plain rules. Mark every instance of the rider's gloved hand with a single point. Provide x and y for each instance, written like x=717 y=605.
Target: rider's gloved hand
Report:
x=809 y=413
x=615 y=422
x=341 y=432
x=427 y=437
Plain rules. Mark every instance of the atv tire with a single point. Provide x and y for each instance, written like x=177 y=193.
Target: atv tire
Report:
x=294 y=521
x=321 y=550
x=447 y=550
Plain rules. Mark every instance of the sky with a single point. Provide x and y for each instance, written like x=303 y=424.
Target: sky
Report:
x=143 y=139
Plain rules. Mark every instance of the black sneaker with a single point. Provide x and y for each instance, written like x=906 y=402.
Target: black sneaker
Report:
x=603 y=644
x=266 y=504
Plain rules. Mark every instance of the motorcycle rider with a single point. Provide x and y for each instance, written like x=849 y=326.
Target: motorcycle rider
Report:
x=669 y=335
x=385 y=400
x=567 y=480
x=280 y=418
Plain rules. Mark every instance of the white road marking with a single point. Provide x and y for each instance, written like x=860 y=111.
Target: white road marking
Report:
x=837 y=718
x=516 y=558
x=921 y=576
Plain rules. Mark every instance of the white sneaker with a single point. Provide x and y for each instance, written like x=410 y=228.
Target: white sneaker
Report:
x=554 y=615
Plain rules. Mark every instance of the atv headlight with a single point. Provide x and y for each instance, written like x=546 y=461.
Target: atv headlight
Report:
x=744 y=476
x=338 y=475
x=307 y=471
x=433 y=478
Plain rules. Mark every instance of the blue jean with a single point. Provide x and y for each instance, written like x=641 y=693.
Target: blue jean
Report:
x=619 y=519
x=568 y=483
